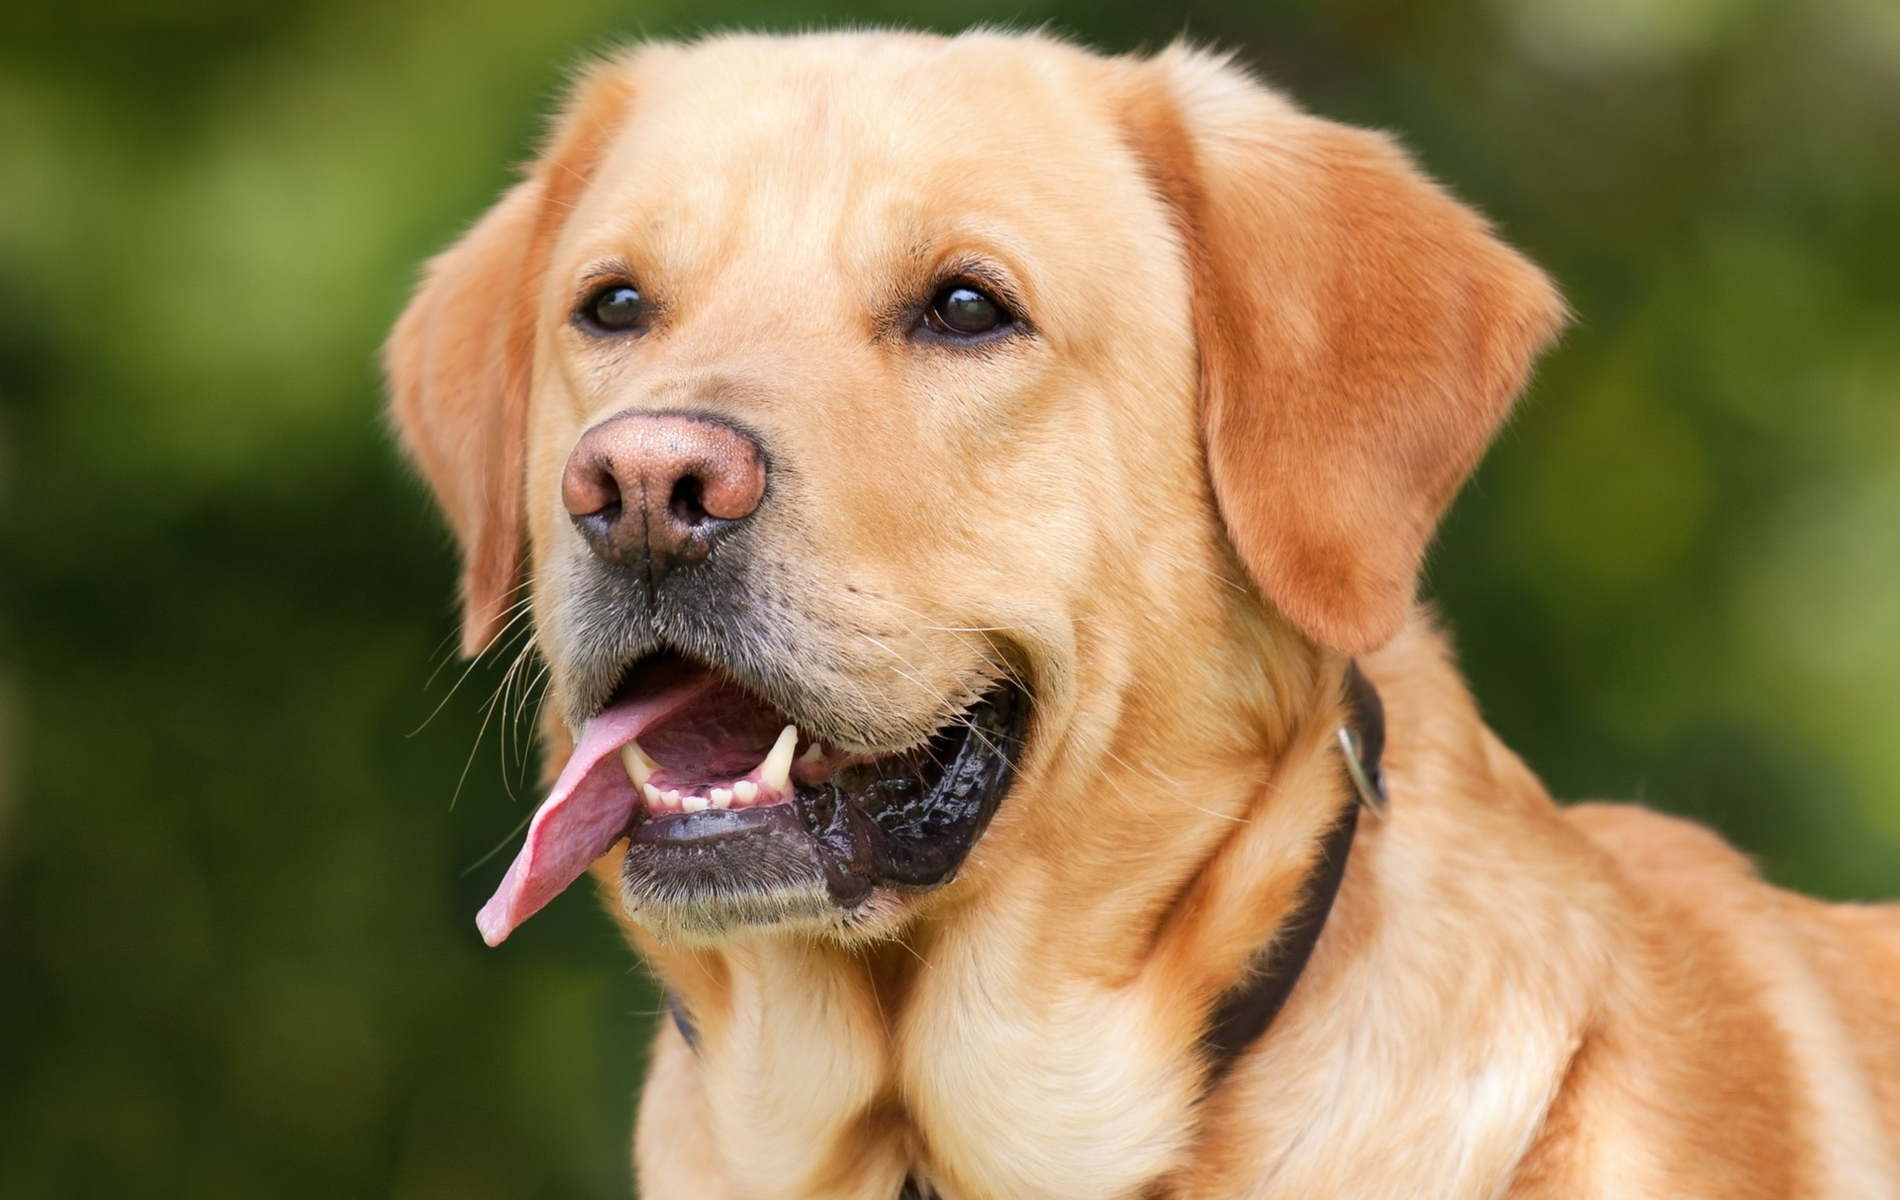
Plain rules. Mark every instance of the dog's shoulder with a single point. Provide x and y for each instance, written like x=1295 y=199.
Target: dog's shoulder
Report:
x=1647 y=842
x=1808 y=992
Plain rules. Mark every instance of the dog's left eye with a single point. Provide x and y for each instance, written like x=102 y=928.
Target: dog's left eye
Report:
x=962 y=310
x=616 y=308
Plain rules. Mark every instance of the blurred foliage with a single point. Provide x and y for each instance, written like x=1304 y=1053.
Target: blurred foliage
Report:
x=236 y=956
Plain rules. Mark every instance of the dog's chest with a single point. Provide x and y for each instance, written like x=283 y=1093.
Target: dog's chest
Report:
x=1069 y=1097
x=975 y=1087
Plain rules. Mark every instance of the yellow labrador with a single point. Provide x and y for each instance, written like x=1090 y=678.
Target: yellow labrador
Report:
x=971 y=493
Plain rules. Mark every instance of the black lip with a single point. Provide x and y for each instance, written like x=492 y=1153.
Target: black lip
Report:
x=709 y=827
x=905 y=830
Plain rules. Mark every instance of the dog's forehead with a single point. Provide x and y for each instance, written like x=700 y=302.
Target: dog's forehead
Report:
x=836 y=144
x=808 y=104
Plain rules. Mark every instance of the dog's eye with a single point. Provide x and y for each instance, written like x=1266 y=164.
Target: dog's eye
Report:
x=616 y=308
x=960 y=310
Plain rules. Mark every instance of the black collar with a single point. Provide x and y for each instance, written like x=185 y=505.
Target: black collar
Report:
x=1250 y=1006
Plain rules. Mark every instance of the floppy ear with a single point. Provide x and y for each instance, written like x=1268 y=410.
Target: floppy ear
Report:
x=460 y=360
x=1362 y=336
x=458 y=365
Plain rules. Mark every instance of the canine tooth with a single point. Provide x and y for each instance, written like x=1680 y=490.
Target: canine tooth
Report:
x=776 y=771
x=745 y=792
x=652 y=794
x=722 y=797
x=694 y=804
x=640 y=768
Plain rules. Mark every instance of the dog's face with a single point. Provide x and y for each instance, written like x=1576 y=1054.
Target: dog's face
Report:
x=899 y=430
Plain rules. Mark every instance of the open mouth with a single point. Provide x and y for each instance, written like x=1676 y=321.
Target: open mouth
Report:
x=733 y=816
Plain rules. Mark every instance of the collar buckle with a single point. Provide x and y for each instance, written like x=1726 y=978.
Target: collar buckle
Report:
x=1362 y=740
x=1370 y=785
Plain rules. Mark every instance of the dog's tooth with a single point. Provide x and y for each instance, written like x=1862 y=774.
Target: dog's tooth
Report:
x=722 y=797
x=640 y=768
x=651 y=793
x=776 y=771
x=745 y=792
x=693 y=804
x=671 y=796
x=814 y=753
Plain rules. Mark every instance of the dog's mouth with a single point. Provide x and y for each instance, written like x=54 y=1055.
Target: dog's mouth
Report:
x=734 y=816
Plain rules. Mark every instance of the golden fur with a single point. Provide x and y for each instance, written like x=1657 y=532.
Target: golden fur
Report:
x=1267 y=351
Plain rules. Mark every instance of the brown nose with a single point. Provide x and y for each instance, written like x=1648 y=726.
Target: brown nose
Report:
x=655 y=490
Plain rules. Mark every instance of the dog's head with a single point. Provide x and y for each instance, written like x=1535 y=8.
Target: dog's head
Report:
x=893 y=429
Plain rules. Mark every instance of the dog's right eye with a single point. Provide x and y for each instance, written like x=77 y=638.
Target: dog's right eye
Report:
x=965 y=312
x=615 y=308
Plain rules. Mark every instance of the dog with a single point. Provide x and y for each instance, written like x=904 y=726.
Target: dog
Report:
x=970 y=495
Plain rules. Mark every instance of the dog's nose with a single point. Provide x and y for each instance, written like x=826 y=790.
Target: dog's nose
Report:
x=655 y=490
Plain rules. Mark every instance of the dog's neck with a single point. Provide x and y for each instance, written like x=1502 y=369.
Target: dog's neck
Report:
x=1039 y=978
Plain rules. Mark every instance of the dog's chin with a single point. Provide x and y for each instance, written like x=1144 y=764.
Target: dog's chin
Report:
x=839 y=849
x=713 y=876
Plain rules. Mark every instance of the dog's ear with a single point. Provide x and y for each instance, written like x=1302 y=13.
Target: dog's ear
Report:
x=460 y=360
x=1362 y=335
x=458 y=365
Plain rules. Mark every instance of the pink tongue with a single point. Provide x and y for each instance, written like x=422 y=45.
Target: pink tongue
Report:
x=590 y=807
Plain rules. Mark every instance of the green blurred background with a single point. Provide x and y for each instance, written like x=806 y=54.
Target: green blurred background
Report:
x=236 y=950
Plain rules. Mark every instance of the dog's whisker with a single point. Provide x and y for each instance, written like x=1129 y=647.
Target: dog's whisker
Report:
x=499 y=695
x=488 y=715
x=498 y=847
x=536 y=689
x=509 y=740
x=445 y=649
x=912 y=951
x=511 y=628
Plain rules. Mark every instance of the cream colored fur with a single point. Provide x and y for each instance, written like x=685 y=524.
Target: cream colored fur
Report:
x=1265 y=353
